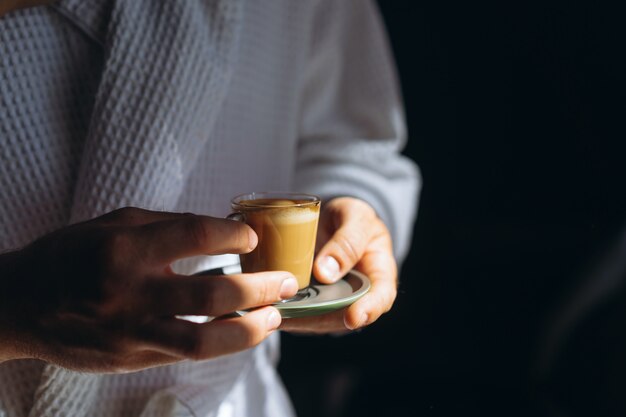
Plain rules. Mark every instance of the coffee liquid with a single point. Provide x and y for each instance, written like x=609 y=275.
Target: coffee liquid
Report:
x=286 y=235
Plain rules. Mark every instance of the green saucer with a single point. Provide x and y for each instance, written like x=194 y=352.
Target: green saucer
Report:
x=325 y=298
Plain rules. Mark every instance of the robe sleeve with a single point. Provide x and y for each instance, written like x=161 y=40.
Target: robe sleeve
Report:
x=352 y=125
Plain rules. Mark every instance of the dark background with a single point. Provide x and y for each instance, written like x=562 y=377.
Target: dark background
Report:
x=516 y=115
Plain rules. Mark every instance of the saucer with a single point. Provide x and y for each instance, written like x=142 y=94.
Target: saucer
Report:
x=324 y=298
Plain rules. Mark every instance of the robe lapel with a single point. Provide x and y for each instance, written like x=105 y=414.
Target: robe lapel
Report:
x=166 y=73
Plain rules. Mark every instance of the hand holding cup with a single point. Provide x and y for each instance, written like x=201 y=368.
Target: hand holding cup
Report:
x=351 y=235
x=100 y=296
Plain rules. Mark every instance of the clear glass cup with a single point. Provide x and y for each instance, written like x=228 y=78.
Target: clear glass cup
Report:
x=286 y=225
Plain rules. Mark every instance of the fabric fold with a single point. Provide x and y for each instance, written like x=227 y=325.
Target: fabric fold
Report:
x=167 y=70
x=64 y=393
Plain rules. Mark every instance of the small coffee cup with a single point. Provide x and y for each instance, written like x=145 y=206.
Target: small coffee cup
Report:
x=286 y=225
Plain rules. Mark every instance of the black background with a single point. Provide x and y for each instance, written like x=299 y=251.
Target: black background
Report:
x=516 y=114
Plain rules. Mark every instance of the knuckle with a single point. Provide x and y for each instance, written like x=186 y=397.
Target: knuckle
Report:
x=265 y=292
x=197 y=230
x=248 y=334
x=113 y=250
x=124 y=214
x=347 y=248
x=208 y=300
x=193 y=345
x=111 y=255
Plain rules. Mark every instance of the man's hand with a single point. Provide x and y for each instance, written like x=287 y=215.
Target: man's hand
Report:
x=350 y=236
x=101 y=295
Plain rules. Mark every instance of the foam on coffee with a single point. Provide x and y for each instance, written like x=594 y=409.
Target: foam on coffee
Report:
x=284 y=215
x=297 y=215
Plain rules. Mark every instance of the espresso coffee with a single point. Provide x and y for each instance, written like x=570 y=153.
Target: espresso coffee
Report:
x=286 y=230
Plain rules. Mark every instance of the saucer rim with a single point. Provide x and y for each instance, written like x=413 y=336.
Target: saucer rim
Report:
x=292 y=310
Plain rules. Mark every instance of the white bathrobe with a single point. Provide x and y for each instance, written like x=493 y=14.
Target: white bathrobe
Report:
x=179 y=106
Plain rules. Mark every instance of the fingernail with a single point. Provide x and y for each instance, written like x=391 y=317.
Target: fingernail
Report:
x=329 y=268
x=288 y=288
x=273 y=321
x=362 y=322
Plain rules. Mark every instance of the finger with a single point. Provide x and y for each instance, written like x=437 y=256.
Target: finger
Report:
x=192 y=235
x=343 y=251
x=379 y=265
x=195 y=341
x=368 y=309
x=326 y=323
x=134 y=216
x=139 y=361
x=216 y=295
x=362 y=313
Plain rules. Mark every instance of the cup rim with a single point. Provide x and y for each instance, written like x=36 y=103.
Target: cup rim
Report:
x=312 y=199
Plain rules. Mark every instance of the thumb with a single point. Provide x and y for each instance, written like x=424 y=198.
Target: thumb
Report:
x=341 y=253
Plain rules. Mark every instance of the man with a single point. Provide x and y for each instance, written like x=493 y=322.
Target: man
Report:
x=118 y=116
